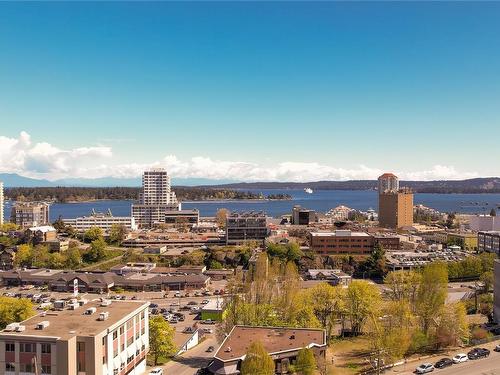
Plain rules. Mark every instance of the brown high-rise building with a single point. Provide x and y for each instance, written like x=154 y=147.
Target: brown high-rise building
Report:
x=395 y=205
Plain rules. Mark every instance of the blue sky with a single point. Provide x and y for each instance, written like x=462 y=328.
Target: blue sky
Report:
x=255 y=91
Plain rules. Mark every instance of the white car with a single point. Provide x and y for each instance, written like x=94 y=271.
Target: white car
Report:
x=156 y=371
x=425 y=368
x=459 y=358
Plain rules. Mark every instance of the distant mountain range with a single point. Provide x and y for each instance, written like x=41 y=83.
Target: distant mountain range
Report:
x=475 y=185
x=15 y=180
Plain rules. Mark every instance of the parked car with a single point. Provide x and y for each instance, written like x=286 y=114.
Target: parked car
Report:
x=459 y=358
x=198 y=294
x=156 y=371
x=208 y=330
x=187 y=294
x=443 y=362
x=153 y=305
x=497 y=348
x=208 y=321
x=154 y=311
x=478 y=353
x=205 y=301
x=424 y=368
x=210 y=349
x=191 y=303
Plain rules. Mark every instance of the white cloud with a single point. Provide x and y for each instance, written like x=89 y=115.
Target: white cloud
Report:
x=43 y=160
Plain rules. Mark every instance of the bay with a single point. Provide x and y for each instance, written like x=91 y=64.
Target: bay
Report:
x=320 y=200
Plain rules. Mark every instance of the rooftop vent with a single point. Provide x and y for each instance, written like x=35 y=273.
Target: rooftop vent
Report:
x=43 y=325
x=90 y=311
x=228 y=349
x=103 y=315
x=20 y=328
x=11 y=327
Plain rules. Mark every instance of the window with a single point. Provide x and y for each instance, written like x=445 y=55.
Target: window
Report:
x=10 y=347
x=122 y=330
x=10 y=367
x=80 y=346
x=104 y=340
x=26 y=348
x=130 y=340
x=46 y=348
x=27 y=367
x=115 y=335
x=46 y=369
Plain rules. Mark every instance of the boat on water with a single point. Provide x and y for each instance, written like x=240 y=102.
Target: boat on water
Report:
x=308 y=190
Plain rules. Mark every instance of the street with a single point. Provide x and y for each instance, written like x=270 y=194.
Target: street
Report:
x=188 y=363
x=487 y=366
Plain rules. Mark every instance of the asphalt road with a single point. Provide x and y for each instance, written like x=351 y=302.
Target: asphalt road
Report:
x=192 y=360
x=486 y=366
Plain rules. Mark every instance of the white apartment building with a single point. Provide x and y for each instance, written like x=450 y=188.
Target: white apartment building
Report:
x=155 y=200
x=1 y=203
x=94 y=338
x=105 y=222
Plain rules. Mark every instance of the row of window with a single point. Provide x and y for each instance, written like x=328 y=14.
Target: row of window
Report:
x=27 y=347
x=27 y=367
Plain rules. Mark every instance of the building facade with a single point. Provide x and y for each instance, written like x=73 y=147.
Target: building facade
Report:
x=484 y=223
x=155 y=199
x=247 y=226
x=94 y=338
x=30 y=214
x=341 y=242
x=489 y=241
x=302 y=216
x=103 y=221
x=395 y=205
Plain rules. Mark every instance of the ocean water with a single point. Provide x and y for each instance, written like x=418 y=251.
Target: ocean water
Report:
x=320 y=200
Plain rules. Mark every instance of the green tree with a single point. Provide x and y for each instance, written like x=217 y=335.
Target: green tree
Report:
x=117 y=234
x=487 y=278
x=92 y=234
x=257 y=361
x=375 y=263
x=493 y=212
x=306 y=363
x=431 y=294
x=452 y=326
x=59 y=225
x=73 y=258
x=403 y=285
x=215 y=265
x=97 y=251
x=14 y=310
x=8 y=227
x=161 y=339
x=23 y=256
x=362 y=301
x=221 y=216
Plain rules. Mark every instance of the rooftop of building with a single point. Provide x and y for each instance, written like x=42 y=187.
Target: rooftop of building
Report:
x=214 y=304
x=274 y=339
x=68 y=323
x=43 y=229
x=325 y=272
x=340 y=233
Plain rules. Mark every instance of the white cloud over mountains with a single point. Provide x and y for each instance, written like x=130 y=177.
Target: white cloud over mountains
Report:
x=42 y=160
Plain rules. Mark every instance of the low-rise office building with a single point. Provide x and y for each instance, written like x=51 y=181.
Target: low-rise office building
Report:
x=341 y=242
x=282 y=344
x=103 y=221
x=467 y=240
x=191 y=217
x=302 y=216
x=246 y=226
x=96 y=338
x=484 y=223
x=99 y=282
x=489 y=241
x=334 y=277
x=213 y=310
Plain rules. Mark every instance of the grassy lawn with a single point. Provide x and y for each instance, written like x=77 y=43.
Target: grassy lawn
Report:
x=349 y=356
